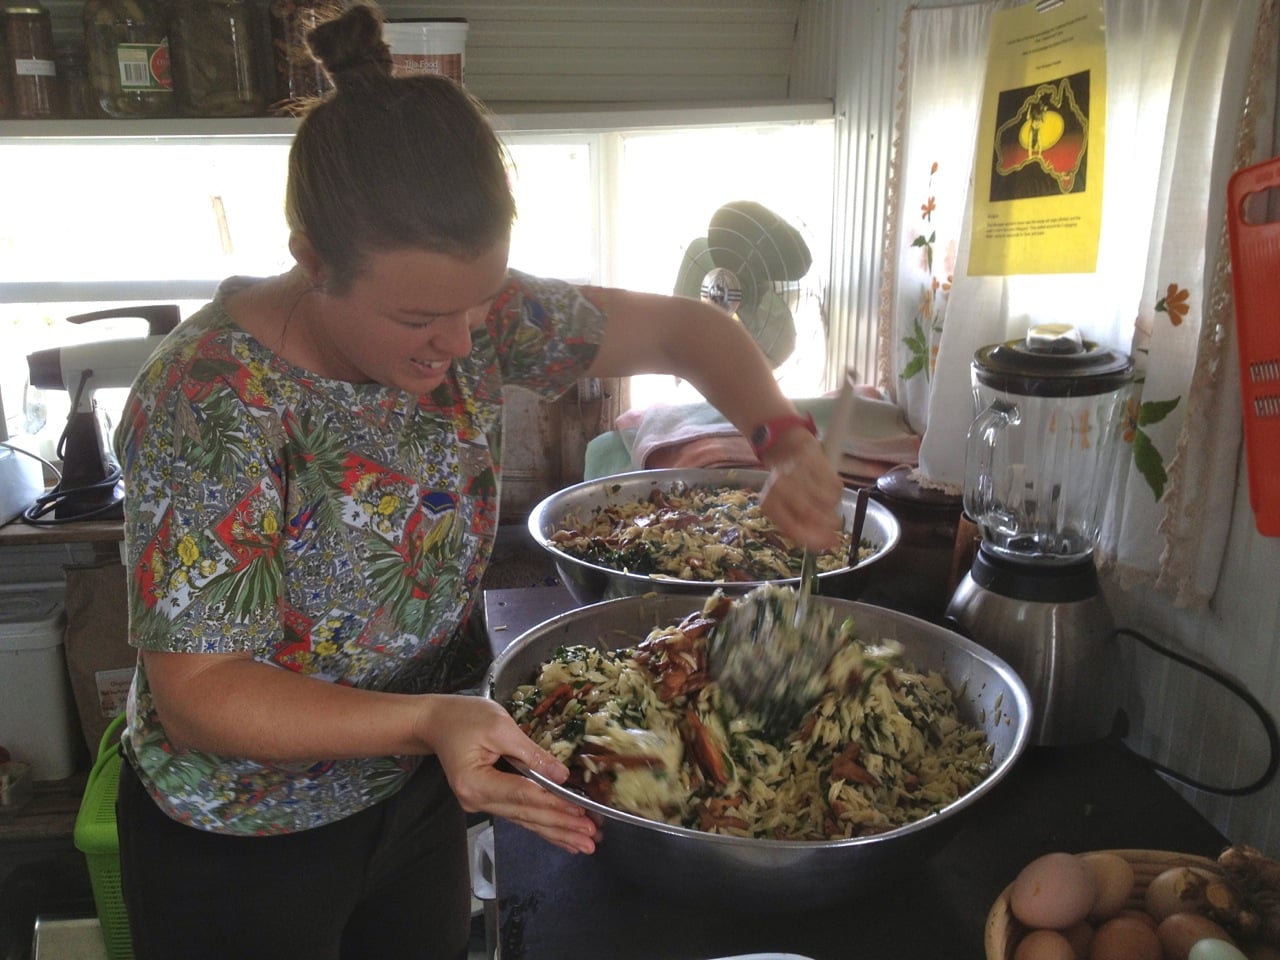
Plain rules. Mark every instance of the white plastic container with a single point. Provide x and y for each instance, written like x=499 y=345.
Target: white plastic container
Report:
x=37 y=714
x=428 y=46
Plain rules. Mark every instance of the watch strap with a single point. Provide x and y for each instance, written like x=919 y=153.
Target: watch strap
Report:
x=764 y=437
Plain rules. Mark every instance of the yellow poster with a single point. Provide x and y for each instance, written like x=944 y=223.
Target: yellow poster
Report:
x=1038 y=173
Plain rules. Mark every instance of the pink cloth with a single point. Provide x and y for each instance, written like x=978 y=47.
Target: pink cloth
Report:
x=697 y=436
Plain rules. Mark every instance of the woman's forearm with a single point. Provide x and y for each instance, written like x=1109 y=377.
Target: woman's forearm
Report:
x=232 y=705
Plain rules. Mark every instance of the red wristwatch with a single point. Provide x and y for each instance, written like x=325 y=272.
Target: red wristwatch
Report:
x=765 y=436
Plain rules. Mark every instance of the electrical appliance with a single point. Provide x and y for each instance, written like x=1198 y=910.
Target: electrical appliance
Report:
x=1050 y=410
x=750 y=264
x=90 y=486
x=21 y=474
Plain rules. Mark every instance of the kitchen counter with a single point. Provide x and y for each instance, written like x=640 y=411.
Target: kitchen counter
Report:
x=554 y=906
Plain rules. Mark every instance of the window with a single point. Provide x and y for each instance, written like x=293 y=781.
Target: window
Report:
x=102 y=222
x=669 y=185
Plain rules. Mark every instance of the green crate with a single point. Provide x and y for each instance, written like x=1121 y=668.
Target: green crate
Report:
x=95 y=837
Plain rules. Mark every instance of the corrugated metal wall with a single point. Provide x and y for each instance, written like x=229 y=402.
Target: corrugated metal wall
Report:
x=603 y=50
x=620 y=50
x=1191 y=725
x=857 y=68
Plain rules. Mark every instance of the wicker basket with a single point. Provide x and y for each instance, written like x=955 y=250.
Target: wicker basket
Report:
x=1003 y=930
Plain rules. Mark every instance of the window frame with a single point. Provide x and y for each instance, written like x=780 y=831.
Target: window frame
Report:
x=603 y=127
x=603 y=132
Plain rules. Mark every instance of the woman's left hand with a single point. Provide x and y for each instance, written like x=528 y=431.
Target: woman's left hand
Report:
x=469 y=735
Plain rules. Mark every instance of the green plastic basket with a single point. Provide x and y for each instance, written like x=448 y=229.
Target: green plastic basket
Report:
x=95 y=837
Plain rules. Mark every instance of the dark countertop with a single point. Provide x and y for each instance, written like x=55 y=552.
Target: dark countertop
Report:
x=1097 y=796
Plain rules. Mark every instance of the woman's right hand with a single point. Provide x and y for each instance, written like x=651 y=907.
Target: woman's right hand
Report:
x=469 y=735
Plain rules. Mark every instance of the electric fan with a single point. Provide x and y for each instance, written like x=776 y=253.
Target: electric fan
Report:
x=750 y=264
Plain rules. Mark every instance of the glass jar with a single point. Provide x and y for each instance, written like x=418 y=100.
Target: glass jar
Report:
x=299 y=76
x=128 y=45
x=78 y=100
x=33 y=75
x=215 y=71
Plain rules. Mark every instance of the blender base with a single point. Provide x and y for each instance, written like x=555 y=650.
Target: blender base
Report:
x=1053 y=627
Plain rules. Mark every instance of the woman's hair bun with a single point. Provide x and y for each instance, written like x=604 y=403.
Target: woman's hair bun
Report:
x=351 y=42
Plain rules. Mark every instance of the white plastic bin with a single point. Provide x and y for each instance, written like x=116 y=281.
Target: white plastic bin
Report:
x=428 y=46
x=37 y=714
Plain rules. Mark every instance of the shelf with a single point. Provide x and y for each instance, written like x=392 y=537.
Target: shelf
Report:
x=547 y=118
x=18 y=534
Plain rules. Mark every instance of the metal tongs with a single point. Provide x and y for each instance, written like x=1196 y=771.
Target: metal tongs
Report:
x=771 y=649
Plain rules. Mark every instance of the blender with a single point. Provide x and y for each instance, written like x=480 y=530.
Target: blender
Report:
x=1039 y=463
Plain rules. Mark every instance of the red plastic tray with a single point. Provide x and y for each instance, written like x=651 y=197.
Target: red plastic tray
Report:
x=1255 y=277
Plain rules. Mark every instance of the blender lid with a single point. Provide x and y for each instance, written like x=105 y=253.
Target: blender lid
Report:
x=1053 y=360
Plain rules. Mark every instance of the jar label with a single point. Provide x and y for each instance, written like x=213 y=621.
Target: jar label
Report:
x=144 y=66
x=34 y=68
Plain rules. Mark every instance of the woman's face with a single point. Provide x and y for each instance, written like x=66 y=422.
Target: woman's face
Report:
x=407 y=316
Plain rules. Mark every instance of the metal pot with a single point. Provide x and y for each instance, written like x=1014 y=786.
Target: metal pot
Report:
x=589 y=582
x=777 y=875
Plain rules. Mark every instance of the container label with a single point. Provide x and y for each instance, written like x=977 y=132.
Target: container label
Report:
x=445 y=64
x=113 y=690
x=144 y=66
x=34 y=68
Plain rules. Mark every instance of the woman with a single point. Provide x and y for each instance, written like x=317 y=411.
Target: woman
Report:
x=312 y=464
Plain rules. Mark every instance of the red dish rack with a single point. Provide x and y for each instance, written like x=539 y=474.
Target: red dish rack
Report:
x=1255 y=277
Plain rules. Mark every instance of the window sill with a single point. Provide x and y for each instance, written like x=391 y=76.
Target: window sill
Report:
x=549 y=118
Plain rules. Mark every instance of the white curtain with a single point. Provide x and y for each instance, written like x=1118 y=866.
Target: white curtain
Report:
x=1190 y=97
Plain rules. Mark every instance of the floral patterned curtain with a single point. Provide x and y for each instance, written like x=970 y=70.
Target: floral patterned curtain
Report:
x=1190 y=97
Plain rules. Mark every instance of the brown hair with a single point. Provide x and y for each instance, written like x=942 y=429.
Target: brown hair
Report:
x=389 y=162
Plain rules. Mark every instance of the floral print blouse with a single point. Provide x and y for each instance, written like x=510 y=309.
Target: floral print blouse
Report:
x=335 y=529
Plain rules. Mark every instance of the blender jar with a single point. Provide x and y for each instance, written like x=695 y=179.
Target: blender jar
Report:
x=1042 y=448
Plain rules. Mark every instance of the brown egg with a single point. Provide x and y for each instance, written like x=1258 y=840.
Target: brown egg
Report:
x=1179 y=932
x=1053 y=891
x=1125 y=938
x=1113 y=876
x=1141 y=915
x=1176 y=890
x=1044 y=945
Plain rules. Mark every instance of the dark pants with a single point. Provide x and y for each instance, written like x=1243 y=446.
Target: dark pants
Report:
x=389 y=883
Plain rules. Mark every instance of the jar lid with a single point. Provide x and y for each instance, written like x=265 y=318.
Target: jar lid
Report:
x=1053 y=360
x=898 y=484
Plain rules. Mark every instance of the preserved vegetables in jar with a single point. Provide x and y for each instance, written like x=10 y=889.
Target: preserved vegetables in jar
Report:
x=299 y=76
x=128 y=46
x=215 y=70
x=32 y=71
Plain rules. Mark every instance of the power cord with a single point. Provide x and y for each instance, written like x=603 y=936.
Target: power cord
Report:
x=48 y=464
x=1252 y=702
x=35 y=514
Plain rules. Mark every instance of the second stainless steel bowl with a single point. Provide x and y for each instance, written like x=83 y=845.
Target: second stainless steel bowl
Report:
x=590 y=582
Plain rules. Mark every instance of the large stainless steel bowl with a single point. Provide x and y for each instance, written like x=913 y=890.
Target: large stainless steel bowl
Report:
x=696 y=867
x=590 y=582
